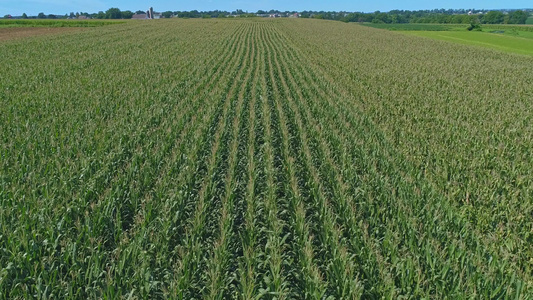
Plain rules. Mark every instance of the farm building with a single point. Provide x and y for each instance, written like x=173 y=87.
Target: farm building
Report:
x=150 y=14
x=140 y=17
x=145 y=16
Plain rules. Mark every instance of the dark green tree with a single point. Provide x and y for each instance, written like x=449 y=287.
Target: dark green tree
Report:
x=493 y=17
x=167 y=14
x=99 y=15
x=380 y=17
x=113 y=13
x=127 y=14
x=41 y=16
x=24 y=16
x=518 y=17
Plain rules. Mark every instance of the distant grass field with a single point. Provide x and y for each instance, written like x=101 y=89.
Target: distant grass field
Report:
x=512 y=33
x=56 y=23
x=507 y=27
x=529 y=21
x=506 y=43
x=508 y=38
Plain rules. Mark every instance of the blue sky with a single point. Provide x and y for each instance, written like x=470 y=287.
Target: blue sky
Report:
x=33 y=7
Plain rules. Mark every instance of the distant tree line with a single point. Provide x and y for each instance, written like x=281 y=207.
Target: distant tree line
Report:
x=429 y=16
x=442 y=16
x=455 y=16
x=116 y=13
x=112 y=13
x=207 y=14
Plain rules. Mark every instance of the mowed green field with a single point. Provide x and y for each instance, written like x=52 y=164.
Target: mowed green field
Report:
x=263 y=159
x=522 y=44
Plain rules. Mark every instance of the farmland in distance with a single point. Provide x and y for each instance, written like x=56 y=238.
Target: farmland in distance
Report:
x=255 y=158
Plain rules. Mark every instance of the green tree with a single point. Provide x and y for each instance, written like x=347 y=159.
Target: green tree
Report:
x=397 y=18
x=518 y=17
x=493 y=17
x=474 y=26
x=127 y=14
x=113 y=13
x=41 y=16
x=24 y=16
x=380 y=17
x=52 y=16
x=167 y=14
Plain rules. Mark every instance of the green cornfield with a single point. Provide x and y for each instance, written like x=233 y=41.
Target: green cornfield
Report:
x=263 y=159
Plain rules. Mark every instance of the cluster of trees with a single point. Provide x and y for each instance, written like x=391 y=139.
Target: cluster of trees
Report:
x=433 y=16
x=455 y=16
x=115 y=13
x=199 y=14
x=206 y=14
x=112 y=13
